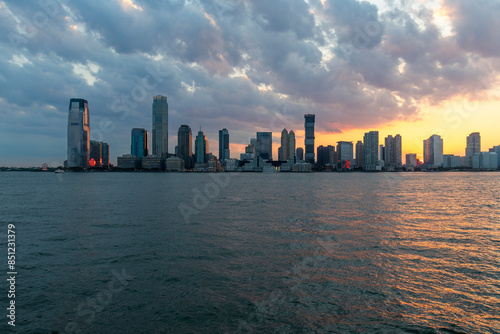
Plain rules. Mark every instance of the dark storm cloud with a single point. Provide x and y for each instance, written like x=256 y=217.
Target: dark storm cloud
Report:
x=240 y=64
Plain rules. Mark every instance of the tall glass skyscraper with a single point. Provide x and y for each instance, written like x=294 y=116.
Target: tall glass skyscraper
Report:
x=264 y=145
x=201 y=148
x=370 y=150
x=140 y=142
x=223 y=145
x=433 y=151
x=185 y=145
x=309 y=140
x=473 y=147
x=78 y=134
x=160 y=126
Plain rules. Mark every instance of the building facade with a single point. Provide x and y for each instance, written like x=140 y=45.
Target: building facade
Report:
x=299 y=153
x=78 y=134
x=393 y=151
x=433 y=151
x=201 y=148
x=185 y=146
x=359 y=153
x=223 y=145
x=95 y=154
x=264 y=145
x=139 y=142
x=309 y=121
x=371 y=146
x=160 y=126
x=473 y=147
x=345 y=152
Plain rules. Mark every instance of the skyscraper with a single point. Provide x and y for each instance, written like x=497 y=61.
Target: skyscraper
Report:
x=433 y=151
x=185 y=145
x=95 y=154
x=160 y=126
x=140 y=142
x=473 y=147
x=284 y=146
x=370 y=149
x=223 y=145
x=393 y=152
x=291 y=145
x=201 y=148
x=287 y=148
x=323 y=155
x=78 y=134
x=105 y=155
x=309 y=139
x=345 y=152
x=264 y=145
x=300 y=153
x=359 y=153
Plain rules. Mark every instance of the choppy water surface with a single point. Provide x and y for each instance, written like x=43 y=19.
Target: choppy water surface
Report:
x=263 y=253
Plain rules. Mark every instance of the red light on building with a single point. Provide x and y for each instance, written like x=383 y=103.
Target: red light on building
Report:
x=92 y=162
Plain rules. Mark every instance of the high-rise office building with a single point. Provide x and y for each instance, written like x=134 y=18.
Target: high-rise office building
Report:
x=78 y=134
x=185 y=145
x=140 y=142
x=105 y=155
x=309 y=121
x=95 y=154
x=370 y=150
x=433 y=151
x=287 y=148
x=283 y=150
x=223 y=145
x=160 y=126
x=201 y=148
x=359 y=153
x=264 y=145
x=393 y=151
x=300 y=153
x=473 y=147
x=323 y=156
x=345 y=152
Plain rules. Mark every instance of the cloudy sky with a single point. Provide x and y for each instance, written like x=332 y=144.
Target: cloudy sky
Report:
x=409 y=67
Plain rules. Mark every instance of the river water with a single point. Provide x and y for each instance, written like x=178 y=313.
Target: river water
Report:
x=254 y=253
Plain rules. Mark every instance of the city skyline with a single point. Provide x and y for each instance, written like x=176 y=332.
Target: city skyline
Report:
x=413 y=68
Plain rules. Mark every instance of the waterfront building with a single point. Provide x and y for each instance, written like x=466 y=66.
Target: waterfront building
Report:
x=160 y=126
x=359 y=153
x=174 y=164
x=370 y=145
x=473 y=147
x=433 y=151
x=185 y=146
x=105 y=155
x=485 y=160
x=140 y=142
x=95 y=154
x=264 y=145
x=345 y=152
x=201 y=148
x=300 y=153
x=223 y=145
x=323 y=156
x=78 y=134
x=309 y=121
x=128 y=161
x=393 y=151
x=411 y=160
x=451 y=161
x=153 y=162
x=496 y=149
